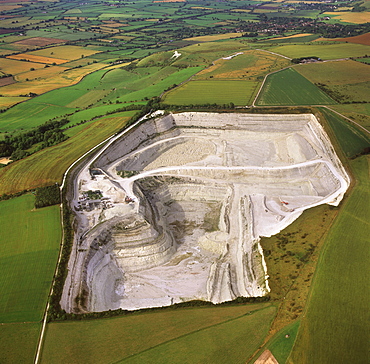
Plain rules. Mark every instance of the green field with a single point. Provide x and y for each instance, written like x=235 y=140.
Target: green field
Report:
x=346 y=81
x=281 y=345
x=215 y=91
x=18 y=342
x=288 y=87
x=28 y=255
x=360 y=113
x=335 y=328
x=48 y=165
x=324 y=51
x=26 y=115
x=351 y=139
x=221 y=334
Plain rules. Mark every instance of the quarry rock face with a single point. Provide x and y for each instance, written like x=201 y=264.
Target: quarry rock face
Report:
x=173 y=209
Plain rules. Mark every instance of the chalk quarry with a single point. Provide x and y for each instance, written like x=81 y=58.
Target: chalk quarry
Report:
x=173 y=209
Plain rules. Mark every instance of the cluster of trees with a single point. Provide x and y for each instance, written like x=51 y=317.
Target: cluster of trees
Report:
x=299 y=60
x=47 y=196
x=48 y=134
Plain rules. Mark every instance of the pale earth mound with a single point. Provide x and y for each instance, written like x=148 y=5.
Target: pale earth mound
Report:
x=180 y=203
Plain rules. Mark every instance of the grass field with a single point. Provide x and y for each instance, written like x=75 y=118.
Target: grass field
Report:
x=288 y=87
x=28 y=254
x=48 y=165
x=324 y=51
x=248 y=66
x=26 y=115
x=349 y=81
x=213 y=91
x=229 y=342
x=291 y=257
x=351 y=139
x=18 y=342
x=223 y=334
x=335 y=328
x=281 y=345
x=6 y=102
x=358 y=112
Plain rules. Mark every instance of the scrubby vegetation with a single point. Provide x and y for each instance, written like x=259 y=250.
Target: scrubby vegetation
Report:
x=47 y=196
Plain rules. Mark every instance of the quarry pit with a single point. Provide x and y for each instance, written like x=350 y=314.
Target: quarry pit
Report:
x=173 y=209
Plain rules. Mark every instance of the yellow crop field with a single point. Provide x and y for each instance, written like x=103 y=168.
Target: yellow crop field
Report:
x=349 y=17
x=211 y=38
x=49 y=83
x=244 y=65
x=10 y=101
x=294 y=36
x=9 y=7
x=39 y=59
x=66 y=52
x=15 y=67
x=110 y=24
x=41 y=73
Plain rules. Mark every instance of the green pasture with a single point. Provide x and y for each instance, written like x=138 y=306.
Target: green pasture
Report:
x=60 y=97
x=29 y=114
x=363 y=60
x=335 y=328
x=347 y=81
x=233 y=341
x=352 y=141
x=157 y=87
x=282 y=343
x=324 y=51
x=88 y=114
x=18 y=342
x=173 y=336
x=28 y=255
x=214 y=91
x=357 y=112
x=288 y=87
x=48 y=165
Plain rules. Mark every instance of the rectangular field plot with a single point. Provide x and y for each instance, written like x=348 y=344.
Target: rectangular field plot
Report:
x=28 y=255
x=192 y=333
x=215 y=91
x=288 y=87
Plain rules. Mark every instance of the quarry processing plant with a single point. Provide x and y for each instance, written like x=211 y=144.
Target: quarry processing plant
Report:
x=173 y=209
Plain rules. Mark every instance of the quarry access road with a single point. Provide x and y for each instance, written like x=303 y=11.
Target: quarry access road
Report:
x=127 y=183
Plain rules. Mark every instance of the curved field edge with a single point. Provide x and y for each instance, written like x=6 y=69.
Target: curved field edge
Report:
x=114 y=339
x=335 y=326
x=288 y=87
x=48 y=166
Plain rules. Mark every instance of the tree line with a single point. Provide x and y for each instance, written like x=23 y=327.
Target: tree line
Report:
x=48 y=134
